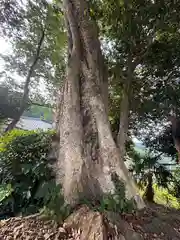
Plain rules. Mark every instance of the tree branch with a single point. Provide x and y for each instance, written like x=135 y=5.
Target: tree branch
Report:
x=26 y=86
x=150 y=40
x=144 y=53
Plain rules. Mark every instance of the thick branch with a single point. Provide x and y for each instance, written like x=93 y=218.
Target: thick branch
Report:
x=125 y=106
x=150 y=40
x=143 y=53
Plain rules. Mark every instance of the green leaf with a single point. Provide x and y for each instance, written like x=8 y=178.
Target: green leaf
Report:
x=5 y=191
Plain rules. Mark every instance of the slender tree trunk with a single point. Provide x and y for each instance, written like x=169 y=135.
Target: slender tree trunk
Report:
x=124 y=111
x=25 y=96
x=124 y=123
x=88 y=155
x=56 y=111
x=149 y=192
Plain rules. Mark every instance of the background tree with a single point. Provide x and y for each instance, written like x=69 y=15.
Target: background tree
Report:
x=9 y=103
x=147 y=171
x=11 y=16
x=132 y=32
x=42 y=65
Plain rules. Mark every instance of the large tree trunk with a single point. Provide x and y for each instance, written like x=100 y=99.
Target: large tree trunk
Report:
x=88 y=154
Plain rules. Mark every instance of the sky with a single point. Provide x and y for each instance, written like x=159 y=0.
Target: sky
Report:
x=5 y=48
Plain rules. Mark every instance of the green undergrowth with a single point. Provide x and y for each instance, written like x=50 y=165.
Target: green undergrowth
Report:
x=163 y=197
x=116 y=202
x=27 y=182
x=28 y=186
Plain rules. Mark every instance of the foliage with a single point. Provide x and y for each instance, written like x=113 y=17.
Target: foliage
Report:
x=162 y=143
x=164 y=197
x=5 y=191
x=147 y=169
x=54 y=205
x=160 y=94
x=11 y=16
x=24 y=167
x=116 y=202
x=143 y=164
x=39 y=18
x=141 y=41
x=9 y=102
x=175 y=186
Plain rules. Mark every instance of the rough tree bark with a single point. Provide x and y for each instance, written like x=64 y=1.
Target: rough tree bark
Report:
x=56 y=112
x=124 y=110
x=25 y=96
x=88 y=154
x=149 y=192
x=124 y=123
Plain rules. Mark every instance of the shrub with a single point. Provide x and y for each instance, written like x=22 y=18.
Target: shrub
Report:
x=24 y=167
x=164 y=197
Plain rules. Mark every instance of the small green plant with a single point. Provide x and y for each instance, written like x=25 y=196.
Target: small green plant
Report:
x=162 y=196
x=5 y=192
x=6 y=201
x=116 y=202
x=54 y=205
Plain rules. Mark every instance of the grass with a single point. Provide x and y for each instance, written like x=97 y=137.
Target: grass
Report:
x=163 y=197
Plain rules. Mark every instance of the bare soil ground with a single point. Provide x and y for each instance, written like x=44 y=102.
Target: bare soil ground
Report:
x=154 y=222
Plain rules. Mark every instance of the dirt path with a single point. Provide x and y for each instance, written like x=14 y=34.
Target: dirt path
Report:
x=156 y=222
